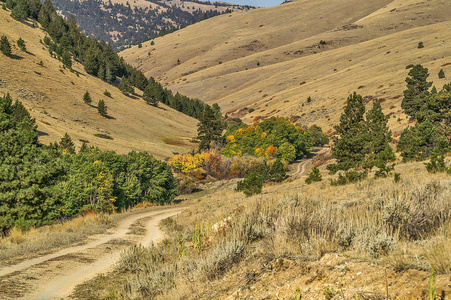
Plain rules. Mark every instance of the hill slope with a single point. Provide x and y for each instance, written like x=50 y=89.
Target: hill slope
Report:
x=54 y=97
x=269 y=61
x=123 y=23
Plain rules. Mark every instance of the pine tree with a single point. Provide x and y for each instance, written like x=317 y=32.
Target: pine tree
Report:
x=378 y=136
x=277 y=172
x=148 y=96
x=251 y=185
x=314 y=176
x=209 y=129
x=66 y=144
x=66 y=60
x=5 y=46
x=87 y=98
x=102 y=108
x=350 y=146
x=21 y=44
x=125 y=87
x=417 y=90
x=441 y=74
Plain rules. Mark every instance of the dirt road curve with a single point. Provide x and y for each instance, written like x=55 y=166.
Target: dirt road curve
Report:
x=54 y=276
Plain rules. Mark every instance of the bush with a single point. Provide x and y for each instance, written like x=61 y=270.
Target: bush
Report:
x=441 y=74
x=314 y=176
x=223 y=257
x=420 y=45
x=107 y=93
x=381 y=245
x=87 y=98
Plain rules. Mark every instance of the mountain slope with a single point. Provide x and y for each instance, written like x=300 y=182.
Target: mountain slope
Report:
x=54 y=97
x=122 y=23
x=269 y=61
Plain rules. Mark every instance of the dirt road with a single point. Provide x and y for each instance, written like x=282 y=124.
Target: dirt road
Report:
x=54 y=276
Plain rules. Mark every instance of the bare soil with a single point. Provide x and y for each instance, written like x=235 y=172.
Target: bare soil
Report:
x=55 y=275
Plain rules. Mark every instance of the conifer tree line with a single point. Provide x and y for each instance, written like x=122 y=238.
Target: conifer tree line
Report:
x=99 y=58
x=39 y=184
x=362 y=140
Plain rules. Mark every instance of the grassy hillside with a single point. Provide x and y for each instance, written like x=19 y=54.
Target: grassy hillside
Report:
x=271 y=60
x=54 y=97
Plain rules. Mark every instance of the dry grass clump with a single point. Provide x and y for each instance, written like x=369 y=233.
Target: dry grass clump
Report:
x=52 y=236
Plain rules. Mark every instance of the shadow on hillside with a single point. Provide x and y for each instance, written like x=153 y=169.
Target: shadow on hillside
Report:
x=42 y=133
x=110 y=118
x=16 y=57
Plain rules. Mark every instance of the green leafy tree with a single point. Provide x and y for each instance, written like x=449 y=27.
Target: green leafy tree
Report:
x=21 y=44
x=66 y=144
x=317 y=136
x=87 y=98
x=102 y=108
x=209 y=129
x=417 y=90
x=5 y=46
x=314 y=176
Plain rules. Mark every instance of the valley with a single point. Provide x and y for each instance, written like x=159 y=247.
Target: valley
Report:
x=300 y=151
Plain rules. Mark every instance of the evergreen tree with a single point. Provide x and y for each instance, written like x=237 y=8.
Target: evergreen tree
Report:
x=21 y=44
x=148 y=97
x=66 y=60
x=251 y=185
x=5 y=46
x=350 y=146
x=379 y=137
x=417 y=90
x=209 y=129
x=125 y=87
x=441 y=74
x=314 y=176
x=66 y=144
x=277 y=172
x=87 y=98
x=102 y=108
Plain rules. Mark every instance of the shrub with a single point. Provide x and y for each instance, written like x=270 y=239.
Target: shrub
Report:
x=420 y=45
x=314 y=176
x=223 y=257
x=107 y=93
x=441 y=74
x=381 y=245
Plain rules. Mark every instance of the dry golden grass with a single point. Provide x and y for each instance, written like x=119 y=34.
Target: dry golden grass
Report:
x=309 y=235
x=54 y=97
x=369 y=46
x=19 y=244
